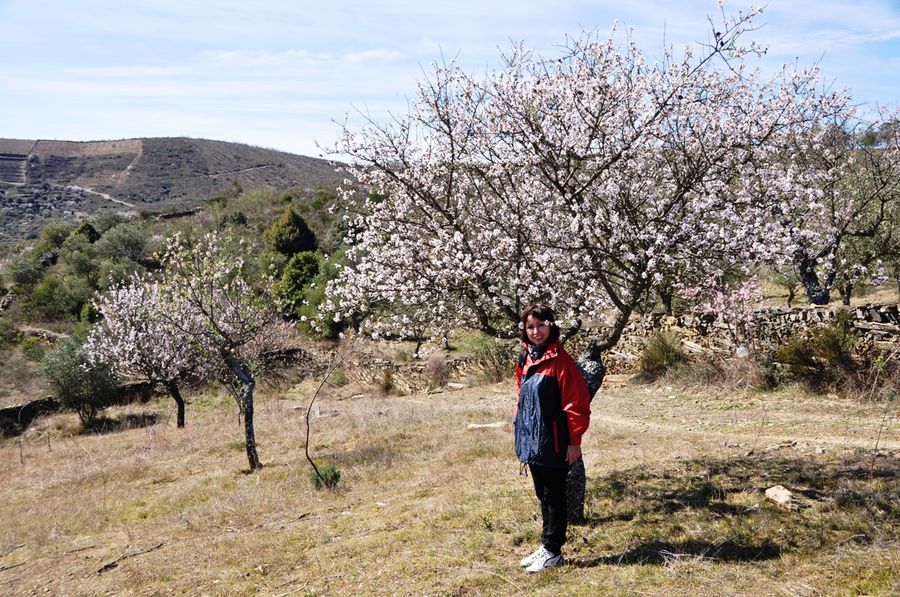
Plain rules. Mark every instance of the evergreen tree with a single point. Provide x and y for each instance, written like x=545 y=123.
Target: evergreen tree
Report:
x=290 y=234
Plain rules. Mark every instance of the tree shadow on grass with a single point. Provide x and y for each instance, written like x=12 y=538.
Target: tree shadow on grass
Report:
x=715 y=509
x=661 y=552
x=102 y=425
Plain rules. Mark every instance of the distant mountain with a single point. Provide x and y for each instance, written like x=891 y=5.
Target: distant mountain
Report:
x=44 y=180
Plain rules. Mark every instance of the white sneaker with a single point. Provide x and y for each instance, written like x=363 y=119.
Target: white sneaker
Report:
x=545 y=560
x=530 y=558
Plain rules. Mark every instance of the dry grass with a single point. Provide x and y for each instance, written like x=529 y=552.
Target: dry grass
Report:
x=425 y=506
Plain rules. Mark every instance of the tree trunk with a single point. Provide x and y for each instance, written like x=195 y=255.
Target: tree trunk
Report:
x=575 y=490
x=175 y=393
x=846 y=292
x=247 y=401
x=665 y=297
x=815 y=291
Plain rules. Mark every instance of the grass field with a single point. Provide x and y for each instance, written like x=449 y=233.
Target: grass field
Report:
x=426 y=506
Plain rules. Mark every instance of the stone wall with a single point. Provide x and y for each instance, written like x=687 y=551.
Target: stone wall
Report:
x=878 y=327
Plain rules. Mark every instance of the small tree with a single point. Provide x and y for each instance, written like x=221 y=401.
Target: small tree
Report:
x=76 y=381
x=290 y=234
x=300 y=270
x=138 y=339
x=212 y=305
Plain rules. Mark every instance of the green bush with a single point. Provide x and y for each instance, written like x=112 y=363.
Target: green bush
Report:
x=34 y=349
x=8 y=333
x=125 y=241
x=76 y=383
x=111 y=272
x=89 y=314
x=56 y=298
x=330 y=477
x=53 y=235
x=313 y=320
x=237 y=218
x=290 y=234
x=78 y=256
x=107 y=219
x=87 y=230
x=338 y=378
x=662 y=352
x=25 y=270
x=299 y=272
x=822 y=357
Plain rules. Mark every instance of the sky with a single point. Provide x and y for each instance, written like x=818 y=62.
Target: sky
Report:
x=287 y=74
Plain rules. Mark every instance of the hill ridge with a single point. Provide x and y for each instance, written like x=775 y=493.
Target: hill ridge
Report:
x=43 y=179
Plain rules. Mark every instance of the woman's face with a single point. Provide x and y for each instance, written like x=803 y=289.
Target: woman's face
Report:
x=538 y=331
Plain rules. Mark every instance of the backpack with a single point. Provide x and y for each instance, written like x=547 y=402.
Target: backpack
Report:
x=591 y=370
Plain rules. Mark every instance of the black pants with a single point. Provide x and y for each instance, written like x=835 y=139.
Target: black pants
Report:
x=550 y=487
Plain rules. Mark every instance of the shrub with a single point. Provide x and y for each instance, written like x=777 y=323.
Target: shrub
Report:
x=436 y=369
x=662 y=352
x=53 y=235
x=75 y=383
x=338 y=378
x=330 y=475
x=89 y=314
x=495 y=358
x=299 y=272
x=78 y=256
x=60 y=299
x=822 y=357
x=290 y=234
x=34 y=349
x=125 y=241
x=237 y=219
x=313 y=320
x=8 y=333
x=386 y=384
x=107 y=219
x=87 y=230
x=26 y=269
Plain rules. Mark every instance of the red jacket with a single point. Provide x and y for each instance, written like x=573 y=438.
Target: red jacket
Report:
x=553 y=410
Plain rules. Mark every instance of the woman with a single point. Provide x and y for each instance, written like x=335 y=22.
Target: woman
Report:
x=552 y=414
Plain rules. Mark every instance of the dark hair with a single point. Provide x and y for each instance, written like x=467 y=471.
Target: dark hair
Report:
x=544 y=313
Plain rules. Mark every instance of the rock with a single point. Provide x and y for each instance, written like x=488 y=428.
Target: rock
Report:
x=456 y=386
x=820 y=450
x=780 y=496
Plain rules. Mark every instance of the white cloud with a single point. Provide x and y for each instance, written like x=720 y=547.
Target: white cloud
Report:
x=379 y=55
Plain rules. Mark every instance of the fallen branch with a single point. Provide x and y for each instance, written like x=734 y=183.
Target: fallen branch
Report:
x=5 y=568
x=485 y=425
x=115 y=563
x=12 y=549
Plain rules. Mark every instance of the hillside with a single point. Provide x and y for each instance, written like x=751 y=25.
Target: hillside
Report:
x=45 y=180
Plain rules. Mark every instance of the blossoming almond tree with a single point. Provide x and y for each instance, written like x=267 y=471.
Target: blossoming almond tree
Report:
x=137 y=337
x=841 y=238
x=582 y=181
x=213 y=307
